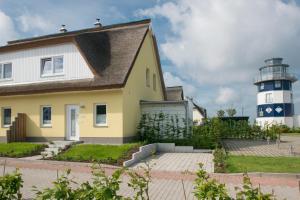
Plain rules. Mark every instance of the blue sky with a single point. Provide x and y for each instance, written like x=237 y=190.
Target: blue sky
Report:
x=213 y=48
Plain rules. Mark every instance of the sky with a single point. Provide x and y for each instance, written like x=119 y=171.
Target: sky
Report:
x=213 y=48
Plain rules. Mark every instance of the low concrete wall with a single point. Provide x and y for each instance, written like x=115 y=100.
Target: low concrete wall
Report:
x=150 y=149
x=144 y=152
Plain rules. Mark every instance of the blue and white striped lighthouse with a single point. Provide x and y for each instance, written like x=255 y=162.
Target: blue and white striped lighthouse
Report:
x=275 y=95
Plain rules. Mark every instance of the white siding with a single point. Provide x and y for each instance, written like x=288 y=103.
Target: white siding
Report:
x=26 y=64
x=197 y=117
x=263 y=121
x=297 y=121
x=278 y=97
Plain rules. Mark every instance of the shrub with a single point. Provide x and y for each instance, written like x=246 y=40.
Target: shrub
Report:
x=10 y=185
x=208 y=189
x=220 y=160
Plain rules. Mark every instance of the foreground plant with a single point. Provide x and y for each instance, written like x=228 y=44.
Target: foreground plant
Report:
x=250 y=192
x=139 y=182
x=10 y=186
x=61 y=189
x=209 y=189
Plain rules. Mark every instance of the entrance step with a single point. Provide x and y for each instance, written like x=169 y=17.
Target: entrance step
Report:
x=55 y=147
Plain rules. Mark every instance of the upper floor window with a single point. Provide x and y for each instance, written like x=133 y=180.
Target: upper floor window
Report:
x=52 y=66
x=6 y=71
x=6 y=116
x=147 y=77
x=277 y=84
x=269 y=98
x=154 y=82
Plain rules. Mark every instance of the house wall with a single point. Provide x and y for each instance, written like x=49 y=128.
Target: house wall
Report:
x=197 y=117
x=31 y=105
x=26 y=64
x=136 y=89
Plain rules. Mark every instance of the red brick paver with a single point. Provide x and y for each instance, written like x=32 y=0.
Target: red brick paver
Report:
x=165 y=185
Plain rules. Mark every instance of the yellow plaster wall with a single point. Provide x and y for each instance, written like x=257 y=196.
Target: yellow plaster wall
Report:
x=136 y=89
x=31 y=105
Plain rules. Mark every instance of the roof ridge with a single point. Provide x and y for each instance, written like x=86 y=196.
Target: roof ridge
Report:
x=81 y=31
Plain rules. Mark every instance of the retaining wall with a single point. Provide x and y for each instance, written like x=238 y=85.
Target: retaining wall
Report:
x=150 y=149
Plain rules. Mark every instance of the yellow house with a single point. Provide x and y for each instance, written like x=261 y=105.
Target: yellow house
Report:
x=81 y=85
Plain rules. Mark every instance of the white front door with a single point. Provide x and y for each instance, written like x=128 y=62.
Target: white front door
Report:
x=72 y=113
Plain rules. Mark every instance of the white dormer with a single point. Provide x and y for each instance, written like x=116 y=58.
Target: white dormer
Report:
x=50 y=63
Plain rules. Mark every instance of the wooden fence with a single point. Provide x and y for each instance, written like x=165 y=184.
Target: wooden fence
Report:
x=17 y=130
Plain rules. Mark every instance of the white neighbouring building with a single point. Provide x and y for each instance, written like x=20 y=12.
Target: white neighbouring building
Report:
x=275 y=95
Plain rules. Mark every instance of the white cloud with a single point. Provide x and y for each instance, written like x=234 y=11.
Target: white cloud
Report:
x=172 y=80
x=222 y=42
x=226 y=95
x=7 y=30
x=29 y=22
x=219 y=45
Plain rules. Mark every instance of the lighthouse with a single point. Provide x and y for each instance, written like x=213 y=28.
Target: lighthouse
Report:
x=275 y=95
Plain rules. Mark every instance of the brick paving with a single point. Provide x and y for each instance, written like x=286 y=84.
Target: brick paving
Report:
x=262 y=148
x=165 y=185
x=180 y=162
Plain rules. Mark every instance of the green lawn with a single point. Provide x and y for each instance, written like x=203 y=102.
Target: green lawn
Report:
x=20 y=149
x=110 y=154
x=237 y=164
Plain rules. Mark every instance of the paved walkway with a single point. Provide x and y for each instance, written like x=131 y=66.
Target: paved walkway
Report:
x=179 y=162
x=165 y=185
x=289 y=146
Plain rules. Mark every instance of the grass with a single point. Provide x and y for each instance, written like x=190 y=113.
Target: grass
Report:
x=109 y=154
x=20 y=149
x=239 y=164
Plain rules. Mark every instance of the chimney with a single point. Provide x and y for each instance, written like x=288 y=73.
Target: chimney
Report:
x=97 y=23
x=63 y=28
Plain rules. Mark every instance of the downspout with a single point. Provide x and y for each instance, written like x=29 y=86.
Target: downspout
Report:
x=186 y=103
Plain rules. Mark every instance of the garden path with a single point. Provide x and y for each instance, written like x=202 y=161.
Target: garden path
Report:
x=289 y=146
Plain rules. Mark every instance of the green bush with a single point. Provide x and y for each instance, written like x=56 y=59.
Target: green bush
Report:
x=10 y=185
x=220 y=160
x=209 y=189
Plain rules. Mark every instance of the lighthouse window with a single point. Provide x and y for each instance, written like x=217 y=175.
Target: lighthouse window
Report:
x=277 y=84
x=269 y=98
x=262 y=86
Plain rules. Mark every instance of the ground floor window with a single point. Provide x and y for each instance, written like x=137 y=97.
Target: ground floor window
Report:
x=46 y=115
x=100 y=115
x=6 y=116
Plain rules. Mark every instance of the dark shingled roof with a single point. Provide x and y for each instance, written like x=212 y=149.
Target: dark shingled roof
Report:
x=109 y=51
x=174 y=93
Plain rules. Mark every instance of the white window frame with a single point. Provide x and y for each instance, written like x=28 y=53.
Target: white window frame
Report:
x=2 y=114
x=95 y=115
x=52 y=67
x=270 y=99
x=2 y=71
x=276 y=84
x=42 y=116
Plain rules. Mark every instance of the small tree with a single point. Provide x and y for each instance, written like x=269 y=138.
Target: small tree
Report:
x=231 y=112
x=220 y=113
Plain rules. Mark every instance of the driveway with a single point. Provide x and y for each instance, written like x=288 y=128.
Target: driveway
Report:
x=289 y=146
x=179 y=162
